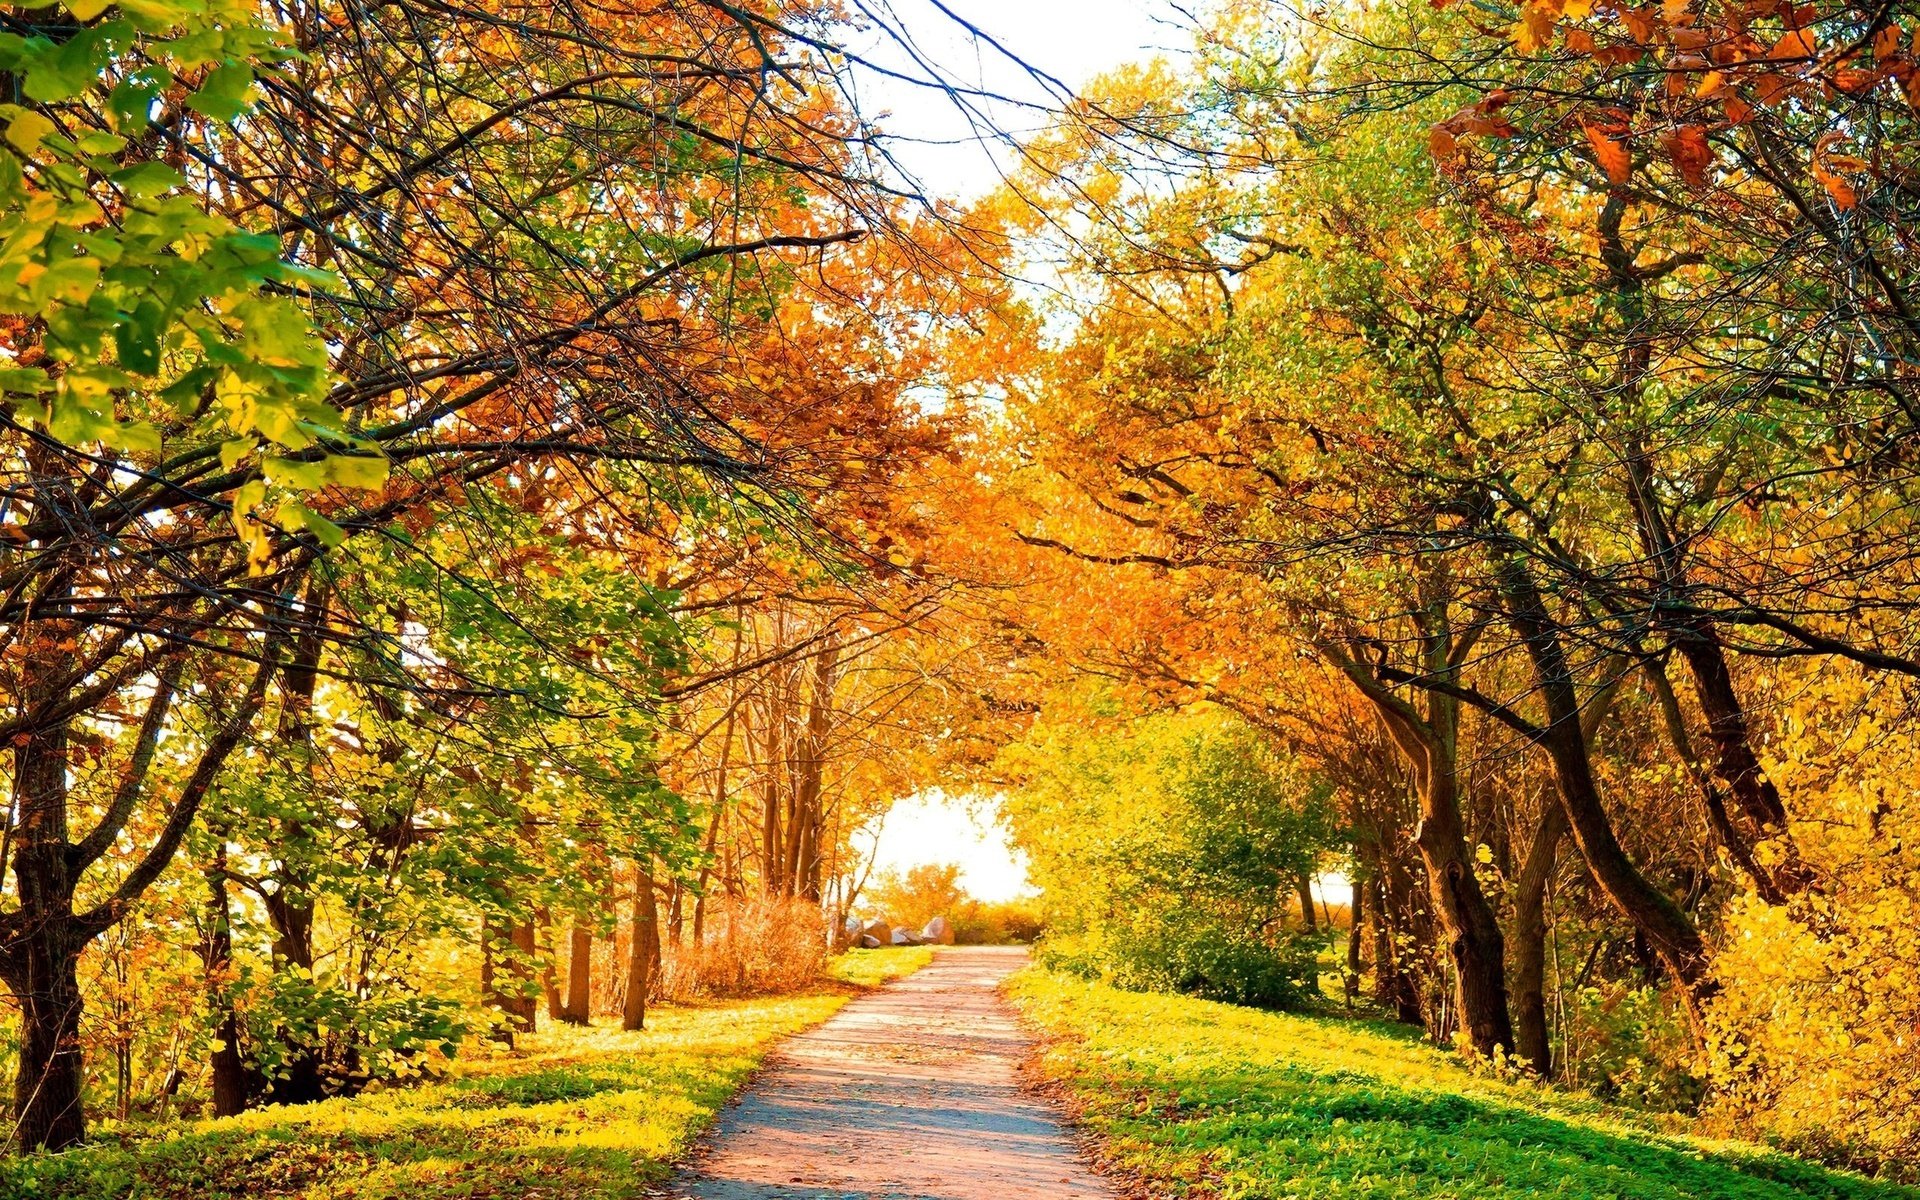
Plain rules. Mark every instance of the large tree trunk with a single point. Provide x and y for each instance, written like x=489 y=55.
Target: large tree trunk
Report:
x=1429 y=742
x=1355 y=916
x=48 y=1080
x=549 y=978
x=1474 y=941
x=41 y=962
x=643 y=951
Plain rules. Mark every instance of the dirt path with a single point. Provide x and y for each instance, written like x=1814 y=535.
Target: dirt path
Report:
x=907 y=1093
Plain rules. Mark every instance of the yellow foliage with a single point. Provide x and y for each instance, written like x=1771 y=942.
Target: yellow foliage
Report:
x=1817 y=1032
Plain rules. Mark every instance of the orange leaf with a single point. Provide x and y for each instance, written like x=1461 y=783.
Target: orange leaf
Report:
x=1639 y=23
x=1843 y=192
x=1687 y=147
x=1853 y=80
x=1798 y=45
x=1579 y=41
x=1613 y=157
x=1441 y=143
x=1886 y=43
x=1738 y=110
x=1771 y=89
x=1534 y=29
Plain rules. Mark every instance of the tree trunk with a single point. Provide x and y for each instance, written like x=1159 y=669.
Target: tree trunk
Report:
x=1652 y=912
x=549 y=978
x=644 y=950
x=41 y=962
x=1532 y=1040
x=578 y=1009
x=301 y=1080
x=1355 y=914
x=228 y=1067
x=523 y=1007
x=49 y=1077
x=1303 y=887
x=1429 y=742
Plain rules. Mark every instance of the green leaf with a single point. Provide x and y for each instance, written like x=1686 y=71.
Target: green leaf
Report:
x=23 y=381
x=146 y=180
x=330 y=535
x=102 y=142
x=134 y=436
x=357 y=471
x=226 y=92
x=231 y=452
x=138 y=338
x=63 y=71
x=292 y=473
x=131 y=102
x=87 y=10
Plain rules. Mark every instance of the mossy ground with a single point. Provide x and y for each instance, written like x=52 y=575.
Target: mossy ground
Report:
x=574 y=1114
x=1209 y=1100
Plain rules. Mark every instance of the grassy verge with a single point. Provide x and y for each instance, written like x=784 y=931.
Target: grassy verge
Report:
x=576 y=1114
x=1208 y=1100
x=871 y=968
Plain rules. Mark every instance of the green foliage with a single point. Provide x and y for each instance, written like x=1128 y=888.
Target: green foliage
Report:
x=1200 y=958
x=163 y=321
x=1167 y=849
x=1212 y=1100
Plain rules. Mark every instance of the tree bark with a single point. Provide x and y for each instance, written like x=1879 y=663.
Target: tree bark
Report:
x=1303 y=887
x=1652 y=912
x=644 y=949
x=1429 y=743
x=578 y=1009
x=1355 y=917
x=229 y=1068
x=1532 y=1040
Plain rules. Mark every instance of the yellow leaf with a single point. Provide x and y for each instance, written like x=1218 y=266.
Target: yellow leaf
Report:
x=26 y=130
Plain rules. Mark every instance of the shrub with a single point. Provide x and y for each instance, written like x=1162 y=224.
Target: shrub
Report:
x=1169 y=851
x=998 y=923
x=753 y=946
x=1212 y=961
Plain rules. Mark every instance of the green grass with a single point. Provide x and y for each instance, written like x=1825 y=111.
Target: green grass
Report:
x=575 y=1114
x=871 y=968
x=1208 y=1100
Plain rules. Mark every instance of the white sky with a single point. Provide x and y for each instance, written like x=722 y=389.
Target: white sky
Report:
x=1070 y=40
x=937 y=828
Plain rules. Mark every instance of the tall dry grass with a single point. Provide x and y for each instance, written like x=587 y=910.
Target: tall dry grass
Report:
x=753 y=946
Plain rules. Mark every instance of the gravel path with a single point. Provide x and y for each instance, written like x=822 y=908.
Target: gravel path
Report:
x=907 y=1094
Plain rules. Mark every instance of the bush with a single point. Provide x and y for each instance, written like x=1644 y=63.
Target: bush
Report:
x=753 y=946
x=1000 y=923
x=1214 y=962
x=1169 y=849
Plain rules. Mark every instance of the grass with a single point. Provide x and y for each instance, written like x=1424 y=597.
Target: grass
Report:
x=871 y=968
x=1196 y=1099
x=579 y=1114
